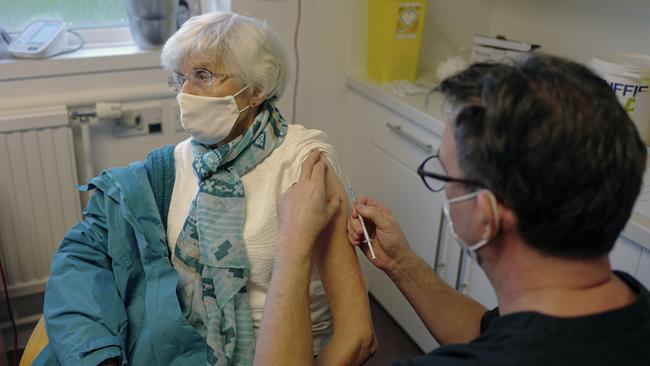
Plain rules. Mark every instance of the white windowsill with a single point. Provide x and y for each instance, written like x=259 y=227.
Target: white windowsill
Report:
x=98 y=55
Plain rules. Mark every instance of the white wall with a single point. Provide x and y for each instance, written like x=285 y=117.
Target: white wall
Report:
x=323 y=44
x=331 y=42
x=281 y=15
x=577 y=29
x=450 y=26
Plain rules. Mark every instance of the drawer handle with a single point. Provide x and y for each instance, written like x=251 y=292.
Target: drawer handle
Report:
x=442 y=227
x=460 y=280
x=414 y=140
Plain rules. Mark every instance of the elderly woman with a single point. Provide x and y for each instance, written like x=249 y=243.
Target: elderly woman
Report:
x=173 y=260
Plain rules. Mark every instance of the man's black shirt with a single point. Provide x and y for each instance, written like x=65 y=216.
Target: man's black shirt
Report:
x=617 y=337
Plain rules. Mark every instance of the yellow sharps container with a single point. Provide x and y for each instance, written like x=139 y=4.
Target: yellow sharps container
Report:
x=394 y=36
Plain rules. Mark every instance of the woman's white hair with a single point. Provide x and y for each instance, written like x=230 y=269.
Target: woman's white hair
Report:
x=246 y=48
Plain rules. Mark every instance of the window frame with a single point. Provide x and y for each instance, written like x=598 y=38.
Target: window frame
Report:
x=106 y=49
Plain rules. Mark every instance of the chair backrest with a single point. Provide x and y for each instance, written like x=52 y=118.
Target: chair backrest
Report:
x=37 y=341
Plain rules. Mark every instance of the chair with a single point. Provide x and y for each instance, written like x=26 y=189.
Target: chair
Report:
x=37 y=341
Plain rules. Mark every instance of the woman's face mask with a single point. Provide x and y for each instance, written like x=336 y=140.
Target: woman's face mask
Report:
x=209 y=119
x=487 y=235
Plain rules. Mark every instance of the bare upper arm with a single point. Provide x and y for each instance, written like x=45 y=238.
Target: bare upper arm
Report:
x=339 y=267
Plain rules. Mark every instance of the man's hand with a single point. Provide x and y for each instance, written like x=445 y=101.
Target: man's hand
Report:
x=450 y=316
x=388 y=241
x=305 y=208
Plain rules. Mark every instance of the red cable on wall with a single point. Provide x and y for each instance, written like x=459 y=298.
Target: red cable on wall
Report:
x=295 y=49
x=11 y=315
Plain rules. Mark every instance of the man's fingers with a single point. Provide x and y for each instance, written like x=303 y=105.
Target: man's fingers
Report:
x=355 y=225
x=354 y=212
x=368 y=201
x=355 y=231
x=308 y=165
x=354 y=235
x=374 y=214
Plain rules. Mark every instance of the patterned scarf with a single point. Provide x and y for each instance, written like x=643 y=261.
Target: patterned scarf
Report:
x=210 y=255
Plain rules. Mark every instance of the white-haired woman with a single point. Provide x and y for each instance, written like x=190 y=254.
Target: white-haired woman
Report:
x=173 y=260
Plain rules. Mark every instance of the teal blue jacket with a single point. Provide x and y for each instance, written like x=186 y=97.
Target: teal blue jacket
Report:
x=112 y=288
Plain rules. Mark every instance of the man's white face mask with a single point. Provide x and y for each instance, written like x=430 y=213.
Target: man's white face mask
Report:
x=487 y=233
x=209 y=119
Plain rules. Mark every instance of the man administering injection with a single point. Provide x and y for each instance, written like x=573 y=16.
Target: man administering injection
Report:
x=540 y=167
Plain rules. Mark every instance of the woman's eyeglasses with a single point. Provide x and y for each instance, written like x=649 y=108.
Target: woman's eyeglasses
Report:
x=198 y=78
x=435 y=177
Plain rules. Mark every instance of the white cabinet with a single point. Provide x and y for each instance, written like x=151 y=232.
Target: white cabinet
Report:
x=473 y=282
x=384 y=159
x=463 y=273
x=625 y=256
x=416 y=209
x=448 y=254
x=632 y=258
x=643 y=271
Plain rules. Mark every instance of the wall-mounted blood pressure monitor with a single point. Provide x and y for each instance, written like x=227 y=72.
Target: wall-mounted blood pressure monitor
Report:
x=42 y=38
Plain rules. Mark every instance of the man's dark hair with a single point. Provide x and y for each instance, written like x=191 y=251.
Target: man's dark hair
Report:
x=550 y=140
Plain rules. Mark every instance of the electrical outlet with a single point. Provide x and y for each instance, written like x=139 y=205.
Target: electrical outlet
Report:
x=139 y=120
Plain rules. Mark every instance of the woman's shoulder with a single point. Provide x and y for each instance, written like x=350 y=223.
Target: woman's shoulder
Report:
x=300 y=141
x=299 y=132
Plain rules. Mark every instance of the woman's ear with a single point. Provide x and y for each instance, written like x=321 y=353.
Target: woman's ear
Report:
x=255 y=102
x=255 y=99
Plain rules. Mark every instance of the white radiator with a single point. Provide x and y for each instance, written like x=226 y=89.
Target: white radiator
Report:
x=38 y=201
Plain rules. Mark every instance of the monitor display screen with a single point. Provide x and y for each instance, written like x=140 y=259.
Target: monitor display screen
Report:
x=44 y=33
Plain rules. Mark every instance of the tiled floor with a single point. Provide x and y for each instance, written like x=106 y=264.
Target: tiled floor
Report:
x=393 y=342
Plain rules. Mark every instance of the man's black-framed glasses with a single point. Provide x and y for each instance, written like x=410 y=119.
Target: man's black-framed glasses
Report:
x=435 y=176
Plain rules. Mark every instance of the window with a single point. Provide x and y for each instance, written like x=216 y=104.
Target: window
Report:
x=17 y=14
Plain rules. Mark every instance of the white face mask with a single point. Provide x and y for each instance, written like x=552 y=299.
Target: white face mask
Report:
x=208 y=119
x=487 y=234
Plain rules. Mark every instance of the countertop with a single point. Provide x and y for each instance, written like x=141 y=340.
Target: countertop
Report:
x=431 y=116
